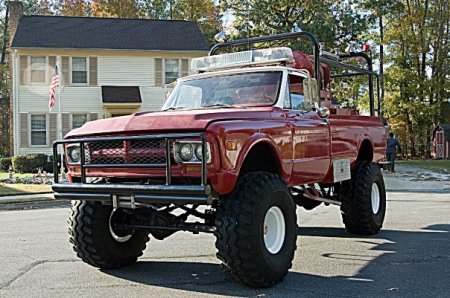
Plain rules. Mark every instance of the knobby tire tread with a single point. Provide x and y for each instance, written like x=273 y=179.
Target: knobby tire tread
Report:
x=357 y=211
x=83 y=222
x=241 y=208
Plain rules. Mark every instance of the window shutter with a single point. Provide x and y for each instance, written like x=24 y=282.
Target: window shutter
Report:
x=24 y=137
x=53 y=128
x=51 y=68
x=65 y=119
x=23 y=70
x=93 y=116
x=92 y=71
x=65 y=70
x=158 y=72
x=184 y=67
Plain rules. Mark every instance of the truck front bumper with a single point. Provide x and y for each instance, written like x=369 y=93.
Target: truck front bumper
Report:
x=133 y=195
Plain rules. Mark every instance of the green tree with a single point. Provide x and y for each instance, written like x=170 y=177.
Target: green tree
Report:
x=335 y=23
x=204 y=12
x=416 y=84
x=41 y=7
x=78 y=8
x=4 y=94
x=115 y=8
x=156 y=9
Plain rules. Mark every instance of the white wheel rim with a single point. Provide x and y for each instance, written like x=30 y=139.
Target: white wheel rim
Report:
x=375 y=198
x=116 y=237
x=274 y=230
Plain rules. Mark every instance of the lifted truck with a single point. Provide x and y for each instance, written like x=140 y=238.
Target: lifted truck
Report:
x=236 y=146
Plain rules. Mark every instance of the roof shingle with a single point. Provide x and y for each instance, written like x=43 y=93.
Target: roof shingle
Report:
x=57 y=32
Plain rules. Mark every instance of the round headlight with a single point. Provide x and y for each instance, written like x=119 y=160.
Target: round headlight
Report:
x=186 y=152
x=75 y=154
x=199 y=151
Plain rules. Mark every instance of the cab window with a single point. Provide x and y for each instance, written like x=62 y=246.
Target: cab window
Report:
x=297 y=99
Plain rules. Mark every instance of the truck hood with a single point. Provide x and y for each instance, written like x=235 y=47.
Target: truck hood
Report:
x=193 y=120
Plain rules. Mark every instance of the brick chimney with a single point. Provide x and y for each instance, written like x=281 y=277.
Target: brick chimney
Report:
x=15 y=13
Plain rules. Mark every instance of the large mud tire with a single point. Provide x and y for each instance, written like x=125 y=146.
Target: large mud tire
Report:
x=364 y=200
x=96 y=244
x=256 y=230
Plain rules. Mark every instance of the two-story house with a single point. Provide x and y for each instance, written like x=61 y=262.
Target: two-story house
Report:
x=107 y=67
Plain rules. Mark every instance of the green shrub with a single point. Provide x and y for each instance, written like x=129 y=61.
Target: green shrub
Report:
x=28 y=163
x=5 y=163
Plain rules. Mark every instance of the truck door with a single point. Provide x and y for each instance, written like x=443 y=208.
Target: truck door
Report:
x=311 y=137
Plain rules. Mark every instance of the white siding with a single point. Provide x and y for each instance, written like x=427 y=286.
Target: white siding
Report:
x=152 y=98
x=73 y=99
x=126 y=71
x=34 y=99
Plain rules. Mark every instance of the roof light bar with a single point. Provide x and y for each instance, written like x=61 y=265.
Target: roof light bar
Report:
x=229 y=60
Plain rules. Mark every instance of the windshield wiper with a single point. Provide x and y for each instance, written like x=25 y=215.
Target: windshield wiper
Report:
x=173 y=109
x=220 y=105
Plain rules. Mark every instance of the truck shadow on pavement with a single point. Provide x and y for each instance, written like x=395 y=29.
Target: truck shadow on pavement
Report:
x=397 y=263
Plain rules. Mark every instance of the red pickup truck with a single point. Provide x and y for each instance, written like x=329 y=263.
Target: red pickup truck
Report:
x=237 y=146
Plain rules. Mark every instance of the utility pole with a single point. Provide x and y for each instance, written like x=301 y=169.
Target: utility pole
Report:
x=381 y=67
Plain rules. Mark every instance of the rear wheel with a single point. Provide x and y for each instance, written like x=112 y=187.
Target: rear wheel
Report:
x=99 y=241
x=364 y=200
x=256 y=230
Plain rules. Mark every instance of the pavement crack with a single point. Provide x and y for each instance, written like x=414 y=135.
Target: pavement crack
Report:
x=22 y=272
x=26 y=269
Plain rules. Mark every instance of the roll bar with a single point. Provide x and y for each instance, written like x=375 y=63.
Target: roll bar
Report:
x=317 y=58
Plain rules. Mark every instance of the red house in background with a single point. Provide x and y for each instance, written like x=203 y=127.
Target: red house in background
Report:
x=441 y=141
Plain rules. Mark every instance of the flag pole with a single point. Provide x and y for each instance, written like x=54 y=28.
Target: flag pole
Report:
x=60 y=134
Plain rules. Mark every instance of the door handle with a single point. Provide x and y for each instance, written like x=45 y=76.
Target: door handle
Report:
x=323 y=123
x=291 y=116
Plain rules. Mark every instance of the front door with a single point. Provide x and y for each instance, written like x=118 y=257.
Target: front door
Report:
x=311 y=138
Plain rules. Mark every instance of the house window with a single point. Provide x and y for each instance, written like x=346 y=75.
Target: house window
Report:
x=78 y=120
x=79 y=70
x=38 y=130
x=171 y=70
x=38 y=69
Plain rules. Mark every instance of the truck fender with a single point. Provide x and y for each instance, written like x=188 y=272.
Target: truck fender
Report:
x=363 y=152
x=260 y=138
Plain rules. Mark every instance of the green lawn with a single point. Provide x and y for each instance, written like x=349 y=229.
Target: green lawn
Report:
x=15 y=189
x=436 y=165
x=4 y=175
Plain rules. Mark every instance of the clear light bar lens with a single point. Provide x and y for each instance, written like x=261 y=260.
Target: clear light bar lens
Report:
x=262 y=56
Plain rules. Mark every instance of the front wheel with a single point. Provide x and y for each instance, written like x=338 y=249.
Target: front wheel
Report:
x=364 y=200
x=99 y=241
x=256 y=230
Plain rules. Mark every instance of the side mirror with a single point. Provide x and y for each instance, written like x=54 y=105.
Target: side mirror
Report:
x=323 y=112
x=310 y=91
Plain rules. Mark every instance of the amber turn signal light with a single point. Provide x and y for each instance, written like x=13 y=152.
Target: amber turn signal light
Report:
x=232 y=145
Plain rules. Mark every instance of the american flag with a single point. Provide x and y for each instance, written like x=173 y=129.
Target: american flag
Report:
x=53 y=86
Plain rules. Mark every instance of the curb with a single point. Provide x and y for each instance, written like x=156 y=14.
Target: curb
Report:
x=27 y=194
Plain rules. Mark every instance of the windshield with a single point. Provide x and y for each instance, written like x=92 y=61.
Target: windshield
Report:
x=246 y=89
